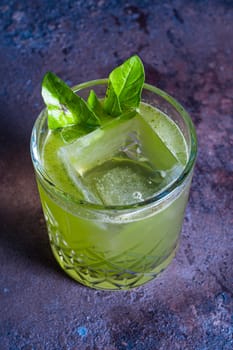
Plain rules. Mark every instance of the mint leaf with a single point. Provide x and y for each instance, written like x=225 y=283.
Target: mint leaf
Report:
x=125 y=87
x=65 y=108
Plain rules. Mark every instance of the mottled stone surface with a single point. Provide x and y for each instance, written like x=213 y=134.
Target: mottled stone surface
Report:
x=187 y=48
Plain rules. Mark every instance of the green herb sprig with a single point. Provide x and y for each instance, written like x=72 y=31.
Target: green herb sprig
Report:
x=76 y=117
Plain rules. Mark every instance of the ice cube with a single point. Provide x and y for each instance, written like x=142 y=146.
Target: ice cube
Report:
x=98 y=146
x=121 y=163
x=91 y=151
x=121 y=181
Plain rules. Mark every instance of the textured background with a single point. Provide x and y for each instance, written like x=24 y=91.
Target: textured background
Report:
x=187 y=49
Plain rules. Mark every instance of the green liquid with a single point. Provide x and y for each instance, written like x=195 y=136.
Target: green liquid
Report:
x=118 y=251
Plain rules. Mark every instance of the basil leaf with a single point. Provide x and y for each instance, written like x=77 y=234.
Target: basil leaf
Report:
x=72 y=133
x=64 y=106
x=96 y=106
x=112 y=102
x=125 y=87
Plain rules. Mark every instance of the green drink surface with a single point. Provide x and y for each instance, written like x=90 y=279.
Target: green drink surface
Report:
x=150 y=154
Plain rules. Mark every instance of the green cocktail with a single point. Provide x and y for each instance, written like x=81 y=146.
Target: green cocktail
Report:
x=106 y=243
x=114 y=199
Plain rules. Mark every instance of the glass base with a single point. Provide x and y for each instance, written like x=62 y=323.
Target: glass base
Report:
x=106 y=280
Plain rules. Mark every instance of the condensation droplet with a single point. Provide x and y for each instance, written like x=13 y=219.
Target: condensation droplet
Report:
x=137 y=195
x=163 y=173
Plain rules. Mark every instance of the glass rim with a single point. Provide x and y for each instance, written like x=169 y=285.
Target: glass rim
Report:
x=153 y=200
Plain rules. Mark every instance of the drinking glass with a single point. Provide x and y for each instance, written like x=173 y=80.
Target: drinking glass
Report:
x=119 y=246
